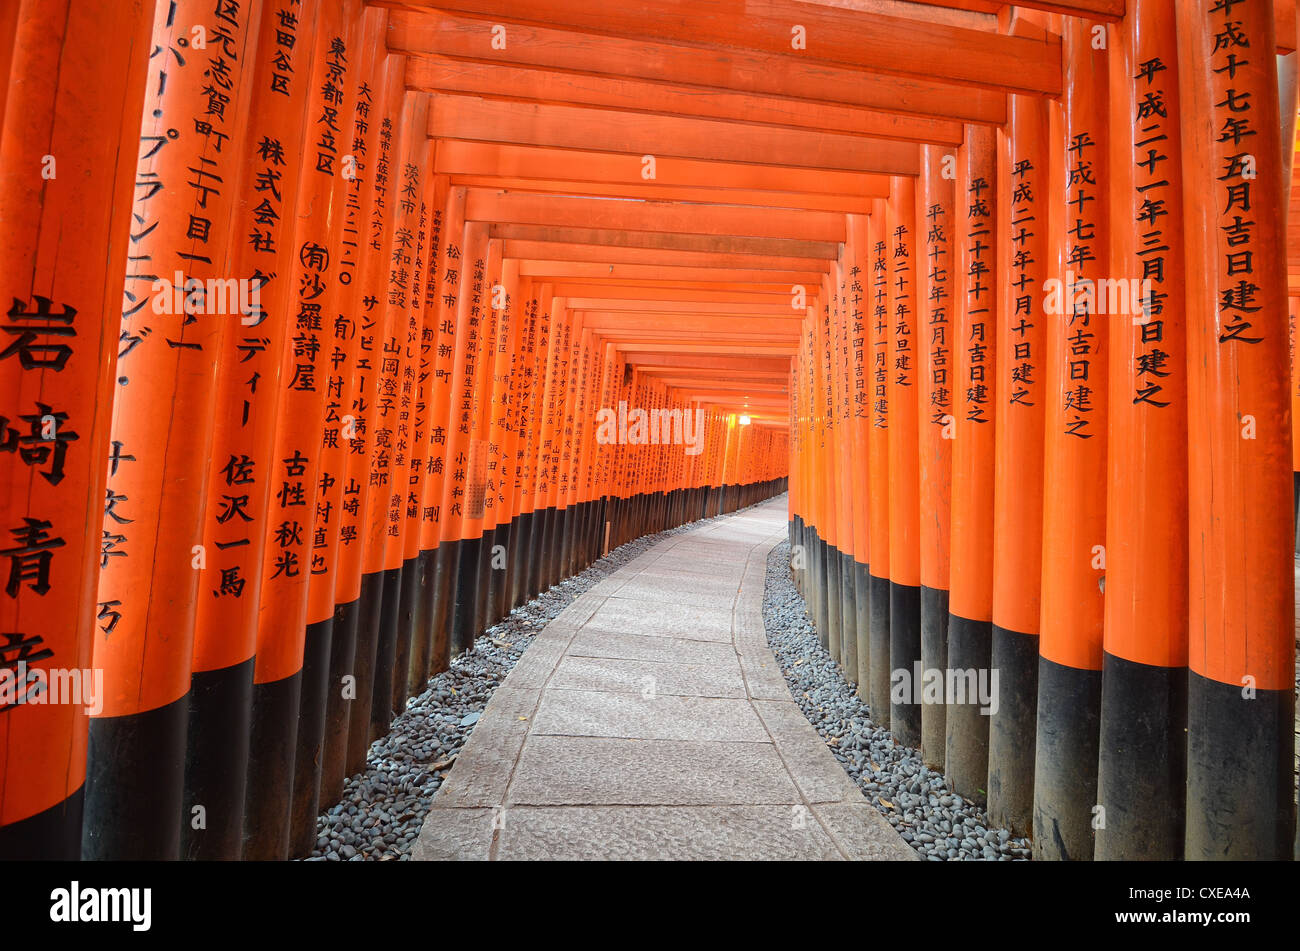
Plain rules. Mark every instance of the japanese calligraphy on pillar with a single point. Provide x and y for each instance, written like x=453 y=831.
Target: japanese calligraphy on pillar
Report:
x=1234 y=122
x=937 y=252
x=1083 y=199
x=1024 y=270
x=1153 y=191
x=979 y=296
x=880 y=337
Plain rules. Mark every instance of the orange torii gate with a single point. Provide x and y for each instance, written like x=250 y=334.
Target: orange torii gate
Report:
x=519 y=282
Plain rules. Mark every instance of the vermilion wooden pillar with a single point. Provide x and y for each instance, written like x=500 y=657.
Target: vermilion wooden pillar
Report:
x=1241 y=650
x=351 y=651
x=1079 y=315
x=315 y=291
x=170 y=345
x=1141 y=781
x=904 y=498
x=381 y=325
x=858 y=305
x=69 y=146
x=975 y=407
x=935 y=220
x=1023 y=209
x=880 y=511
x=258 y=248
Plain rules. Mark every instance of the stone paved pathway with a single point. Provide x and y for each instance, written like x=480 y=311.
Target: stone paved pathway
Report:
x=649 y=720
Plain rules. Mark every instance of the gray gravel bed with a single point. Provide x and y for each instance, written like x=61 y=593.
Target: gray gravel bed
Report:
x=383 y=808
x=935 y=821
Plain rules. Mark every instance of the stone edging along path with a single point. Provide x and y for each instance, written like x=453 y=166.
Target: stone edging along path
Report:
x=650 y=720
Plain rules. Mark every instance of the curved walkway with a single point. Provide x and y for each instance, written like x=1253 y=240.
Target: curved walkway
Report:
x=649 y=720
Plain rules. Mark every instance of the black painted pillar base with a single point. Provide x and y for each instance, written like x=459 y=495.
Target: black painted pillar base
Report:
x=135 y=780
x=53 y=834
x=1065 y=761
x=381 y=698
x=904 y=662
x=268 y=794
x=934 y=657
x=216 y=762
x=343 y=655
x=371 y=604
x=311 y=737
x=1142 y=766
x=966 y=727
x=1239 y=772
x=1011 y=731
x=880 y=646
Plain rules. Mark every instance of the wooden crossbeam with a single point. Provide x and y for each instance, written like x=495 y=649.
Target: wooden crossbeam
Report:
x=436 y=31
x=498 y=81
x=539 y=254
x=761 y=248
x=841 y=204
x=661 y=217
x=579 y=127
x=633 y=272
x=459 y=158
x=880 y=43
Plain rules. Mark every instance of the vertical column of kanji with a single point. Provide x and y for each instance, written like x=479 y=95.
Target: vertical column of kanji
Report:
x=595 y=487
x=879 y=512
x=439 y=336
x=363 y=558
x=248 y=392
x=904 y=487
x=443 y=293
x=605 y=440
x=171 y=336
x=539 y=304
x=844 y=465
x=404 y=264
x=291 y=472
x=331 y=624
x=800 y=500
x=1240 y=710
x=830 y=466
x=462 y=253
x=347 y=439
x=563 y=341
x=819 y=615
x=1074 y=511
x=569 y=450
x=622 y=458
x=522 y=376
x=506 y=288
x=339 y=342
x=1141 y=776
x=1293 y=311
x=541 y=517
x=495 y=523
x=935 y=216
x=859 y=435
x=69 y=147
x=970 y=601
x=519 y=367
x=1022 y=190
x=413 y=645
x=480 y=505
x=463 y=495
x=592 y=489
x=582 y=433
x=617 y=451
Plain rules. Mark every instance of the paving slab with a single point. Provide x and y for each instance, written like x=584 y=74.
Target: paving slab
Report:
x=649 y=720
x=649 y=678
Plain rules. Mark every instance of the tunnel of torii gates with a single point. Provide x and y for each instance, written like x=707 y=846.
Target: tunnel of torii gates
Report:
x=332 y=331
